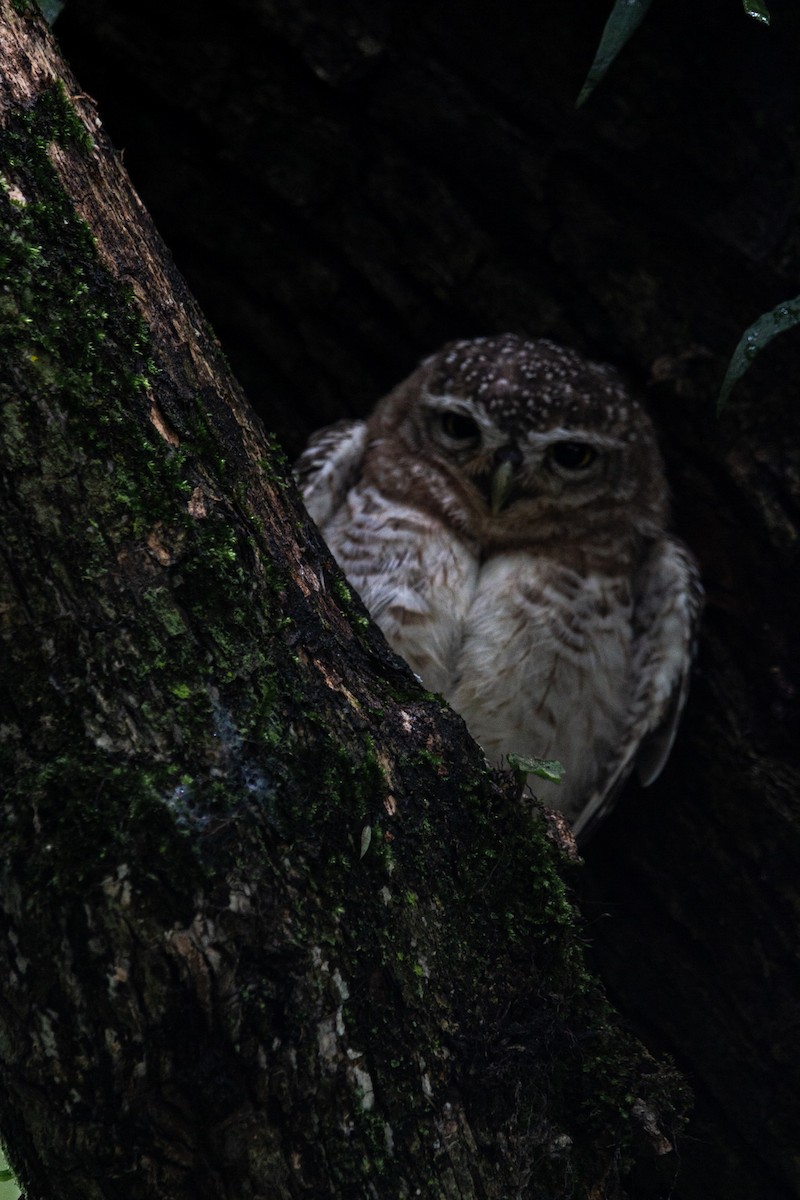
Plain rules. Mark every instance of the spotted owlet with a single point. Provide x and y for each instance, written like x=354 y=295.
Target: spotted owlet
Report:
x=502 y=514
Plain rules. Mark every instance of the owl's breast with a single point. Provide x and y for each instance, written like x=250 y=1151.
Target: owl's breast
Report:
x=536 y=657
x=544 y=668
x=416 y=577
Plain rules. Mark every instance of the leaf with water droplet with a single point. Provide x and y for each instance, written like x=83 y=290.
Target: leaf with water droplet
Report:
x=757 y=10
x=545 y=768
x=784 y=316
x=625 y=18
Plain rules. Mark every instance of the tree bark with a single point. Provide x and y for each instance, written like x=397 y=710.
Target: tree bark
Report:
x=347 y=188
x=270 y=928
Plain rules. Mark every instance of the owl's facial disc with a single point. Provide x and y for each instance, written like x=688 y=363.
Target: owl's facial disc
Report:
x=510 y=461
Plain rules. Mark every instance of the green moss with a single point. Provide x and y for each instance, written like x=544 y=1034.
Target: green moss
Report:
x=54 y=120
x=342 y=591
x=182 y=691
x=165 y=610
x=77 y=356
x=277 y=467
x=428 y=756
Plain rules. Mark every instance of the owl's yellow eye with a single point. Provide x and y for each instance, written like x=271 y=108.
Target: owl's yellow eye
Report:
x=459 y=428
x=573 y=456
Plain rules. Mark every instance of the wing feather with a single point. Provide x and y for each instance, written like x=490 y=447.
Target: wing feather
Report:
x=666 y=614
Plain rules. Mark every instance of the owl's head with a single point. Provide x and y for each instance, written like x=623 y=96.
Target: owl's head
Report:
x=513 y=440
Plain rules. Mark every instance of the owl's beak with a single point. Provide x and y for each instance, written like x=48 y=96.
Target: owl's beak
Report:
x=507 y=461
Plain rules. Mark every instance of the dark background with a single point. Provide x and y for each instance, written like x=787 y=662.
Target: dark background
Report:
x=345 y=188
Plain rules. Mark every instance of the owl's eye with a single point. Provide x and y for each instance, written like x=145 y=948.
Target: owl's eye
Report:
x=459 y=428
x=573 y=456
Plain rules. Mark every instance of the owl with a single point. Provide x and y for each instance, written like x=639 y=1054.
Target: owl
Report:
x=502 y=514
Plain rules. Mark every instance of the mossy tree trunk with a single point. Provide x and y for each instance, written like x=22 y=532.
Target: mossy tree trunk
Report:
x=269 y=928
x=348 y=186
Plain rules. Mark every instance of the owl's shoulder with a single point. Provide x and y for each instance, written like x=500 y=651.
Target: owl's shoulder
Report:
x=329 y=466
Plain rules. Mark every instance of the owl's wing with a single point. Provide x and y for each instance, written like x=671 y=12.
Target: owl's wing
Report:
x=666 y=614
x=329 y=466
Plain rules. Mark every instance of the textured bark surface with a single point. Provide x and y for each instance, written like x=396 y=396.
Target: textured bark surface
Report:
x=348 y=186
x=268 y=926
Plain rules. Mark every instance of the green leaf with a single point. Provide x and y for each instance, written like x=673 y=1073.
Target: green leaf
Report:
x=9 y=1189
x=545 y=768
x=753 y=341
x=756 y=10
x=625 y=18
